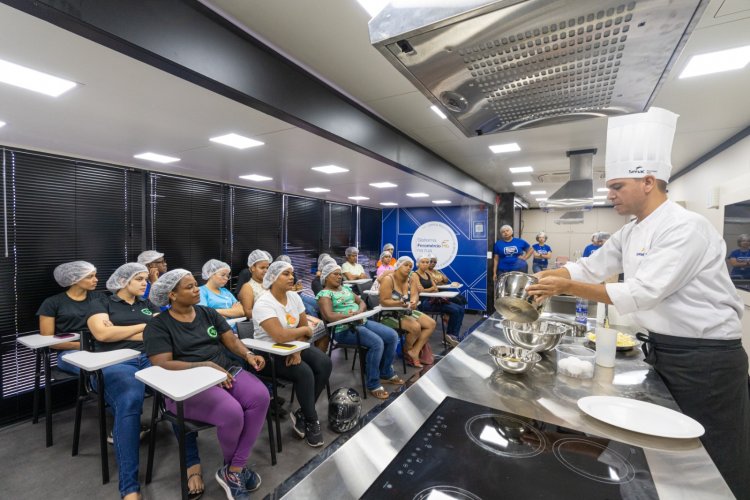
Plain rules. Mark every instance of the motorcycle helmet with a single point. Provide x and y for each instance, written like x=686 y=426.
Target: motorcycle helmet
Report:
x=344 y=408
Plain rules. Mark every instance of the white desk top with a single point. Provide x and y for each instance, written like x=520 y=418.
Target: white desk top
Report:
x=371 y=292
x=361 y=281
x=234 y=321
x=454 y=285
x=179 y=385
x=445 y=295
x=266 y=346
x=38 y=341
x=91 y=361
x=383 y=308
x=356 y=317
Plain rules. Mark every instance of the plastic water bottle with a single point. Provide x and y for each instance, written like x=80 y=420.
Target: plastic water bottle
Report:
x=582 y=310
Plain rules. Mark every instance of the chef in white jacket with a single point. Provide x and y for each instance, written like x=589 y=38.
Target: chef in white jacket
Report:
x=676 y=285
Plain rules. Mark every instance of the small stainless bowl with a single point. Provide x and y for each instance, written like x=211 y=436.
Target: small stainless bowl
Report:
x=514 y=359
x=530 y=335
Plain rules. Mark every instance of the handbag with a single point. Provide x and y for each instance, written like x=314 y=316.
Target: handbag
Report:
x=425 y=355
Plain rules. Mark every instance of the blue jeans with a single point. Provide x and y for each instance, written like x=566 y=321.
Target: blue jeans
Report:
x=454 y=311
x=538 y=267
x=311 y=305
x=380 y=342
x=64 y=365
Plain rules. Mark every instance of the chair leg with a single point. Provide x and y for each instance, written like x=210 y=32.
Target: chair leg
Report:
x=328 y=390
x=269 y=424
x=152 y=436
x=47 y=396
x=102 y=427
x=291 y=398
x=275 y=406
x=354 y=358
x=362 y=364
x=37 y=385
x=403 y=349
x=79 y=411
x=181 y=445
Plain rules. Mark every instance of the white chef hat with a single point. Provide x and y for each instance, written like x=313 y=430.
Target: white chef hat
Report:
x=640 y=144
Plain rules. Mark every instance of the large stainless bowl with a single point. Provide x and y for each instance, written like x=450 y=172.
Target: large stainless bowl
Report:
x=513 y=301
x=540 y=333
x=514 y=359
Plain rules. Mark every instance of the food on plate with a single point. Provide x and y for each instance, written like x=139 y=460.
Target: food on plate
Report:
x=623 y=339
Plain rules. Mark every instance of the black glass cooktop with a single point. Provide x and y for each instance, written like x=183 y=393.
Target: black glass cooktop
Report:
x=469 y=452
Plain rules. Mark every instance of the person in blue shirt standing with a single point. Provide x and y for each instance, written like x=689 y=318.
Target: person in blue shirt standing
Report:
x=542 y=252
x=739 y=259
x=509 y=253
x=597 y=240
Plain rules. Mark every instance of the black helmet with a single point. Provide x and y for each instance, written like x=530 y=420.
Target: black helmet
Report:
x=344 y=408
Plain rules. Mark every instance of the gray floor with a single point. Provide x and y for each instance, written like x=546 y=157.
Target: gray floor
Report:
x=30 y=471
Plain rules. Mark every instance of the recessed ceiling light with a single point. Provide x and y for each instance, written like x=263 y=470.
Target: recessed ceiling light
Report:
x=505 y=148
x=441 y=202
x=31 y=79
x=317 y=190
x=236 y=141
x=522 y=183
x=600 y=197
x=521 y=170
x=2 y=124
x=417 y=195
x=330 y=169
x=382 y=185
x=538 y=192
x=256 y=178
x=389 y=204
x=716 y=62
x=540 y=199
x=358 y=198
x=598 y=203
x=156 y=157
x=439 y=112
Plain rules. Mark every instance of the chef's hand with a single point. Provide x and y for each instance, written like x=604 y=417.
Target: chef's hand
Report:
x=546 y=272
x=548 y=286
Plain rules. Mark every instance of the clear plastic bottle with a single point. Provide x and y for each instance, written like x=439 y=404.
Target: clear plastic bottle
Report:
x=582 y=310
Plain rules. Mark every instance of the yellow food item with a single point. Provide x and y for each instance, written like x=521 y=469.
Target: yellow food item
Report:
x=623 y=339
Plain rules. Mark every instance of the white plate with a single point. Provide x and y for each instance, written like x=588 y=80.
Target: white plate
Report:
x=639 y=416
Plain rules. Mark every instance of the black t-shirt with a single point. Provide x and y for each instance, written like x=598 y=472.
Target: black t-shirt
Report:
x=70 y=315
x=199 y=340
x=123 y=314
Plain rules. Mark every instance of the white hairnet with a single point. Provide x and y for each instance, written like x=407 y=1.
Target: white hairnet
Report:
x=284 y=258
x=212 y=267
x=351 y=251
x=602 y=236
x=403 y=259
x=743 y=237
x=541 y=234
x=270 y=257
x=71 y=273
x=328 y=268
x=425 y=256
x=159 y=293
x=257 y=256
x=325 y=261
x=322 y=257
x=506 y=226
x=386 y=252
x=593 y=236
x=389 y=246
x=149 y=256
x=273 y=273
x=123 y=274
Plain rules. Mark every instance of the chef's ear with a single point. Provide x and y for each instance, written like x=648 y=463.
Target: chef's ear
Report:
x=649 y=183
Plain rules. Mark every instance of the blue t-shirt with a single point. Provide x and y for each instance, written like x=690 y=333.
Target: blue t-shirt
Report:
x=541 y=249
x=223 y=300
x=740 y=272
x=590 y=249
x=508 y=253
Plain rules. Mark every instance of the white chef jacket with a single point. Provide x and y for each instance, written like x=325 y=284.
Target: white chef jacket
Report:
x=676 y=280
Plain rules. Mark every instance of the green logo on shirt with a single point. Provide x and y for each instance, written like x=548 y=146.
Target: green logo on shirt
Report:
x=212 y=332
x=146 y=311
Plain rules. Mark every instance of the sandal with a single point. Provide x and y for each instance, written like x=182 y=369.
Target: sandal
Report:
x=412 y=362
x=395 y=380
x=380 y=393
x=195 y=494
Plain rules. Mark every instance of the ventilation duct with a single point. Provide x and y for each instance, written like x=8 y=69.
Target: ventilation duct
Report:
x=513 y=64
x=570 y=218
x=578 y=193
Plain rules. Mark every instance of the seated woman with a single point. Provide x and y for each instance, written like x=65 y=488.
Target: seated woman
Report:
x=439 y=278
x=316 y=285
x=385 y=263
x=214 y=295
x=397 y=289
x=117 y=321
x=338 y=302
x=454 y=311
x=67 y=312
x=388 y=247
x=257 y=263
x=189 y=335
x=351 y=268
x=246 y=273
x=279 y=316
x=156 y=264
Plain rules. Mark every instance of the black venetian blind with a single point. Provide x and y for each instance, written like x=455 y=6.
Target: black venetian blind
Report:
x=338 y=229
x=370 y=230
x=304 y=235
x=256 y=222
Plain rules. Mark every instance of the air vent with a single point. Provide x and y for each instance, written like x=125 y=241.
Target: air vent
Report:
x=564 y=176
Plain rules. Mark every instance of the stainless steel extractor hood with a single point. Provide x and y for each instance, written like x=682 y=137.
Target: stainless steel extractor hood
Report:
x=577 y=193
x=511 y=64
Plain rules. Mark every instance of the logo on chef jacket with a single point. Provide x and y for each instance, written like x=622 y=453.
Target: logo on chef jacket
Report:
x=511 y=250
x=146 y=311
x=212 y=332
x=641 y=253
x=435 y=238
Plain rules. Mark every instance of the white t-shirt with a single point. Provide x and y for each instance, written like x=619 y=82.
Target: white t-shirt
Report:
x=268 y=307
x=353 y=269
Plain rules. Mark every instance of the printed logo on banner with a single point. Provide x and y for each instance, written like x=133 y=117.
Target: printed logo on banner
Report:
x=435 y=238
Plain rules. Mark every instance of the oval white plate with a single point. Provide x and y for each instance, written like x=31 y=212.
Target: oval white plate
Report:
x=639 y=416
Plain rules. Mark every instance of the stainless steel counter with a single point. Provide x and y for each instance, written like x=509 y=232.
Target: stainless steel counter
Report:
x=681 y=468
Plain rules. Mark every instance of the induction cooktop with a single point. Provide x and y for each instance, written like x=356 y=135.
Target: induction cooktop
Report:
x=465 y=451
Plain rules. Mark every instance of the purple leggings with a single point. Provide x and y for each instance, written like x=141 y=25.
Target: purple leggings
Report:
x=238 y=414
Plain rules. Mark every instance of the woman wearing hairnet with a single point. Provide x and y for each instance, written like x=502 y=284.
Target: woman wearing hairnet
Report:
x=597 y=240
x=189 y=335
x=339 y=302
x=542 y=252
x=316 y=286
x=388 y=247
x=454 y=311
x=67 y=311
x=279 y=316
x=249 y=291
x=214 y=295
x=385 y=263
x=117 y=321
x=351 y=268
x=510 y=253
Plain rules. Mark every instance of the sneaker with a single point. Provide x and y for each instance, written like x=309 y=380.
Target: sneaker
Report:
x=232 y=484
x=313 y=435
x=298 y=422
x=144 y=432
x=250 y=478
x=451 y=340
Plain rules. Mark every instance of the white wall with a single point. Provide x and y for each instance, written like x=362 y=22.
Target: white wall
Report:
x=565 y=240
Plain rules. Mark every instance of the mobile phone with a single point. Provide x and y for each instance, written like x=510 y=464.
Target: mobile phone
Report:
x=284 y=346
x=234 y=370
x=64 y=335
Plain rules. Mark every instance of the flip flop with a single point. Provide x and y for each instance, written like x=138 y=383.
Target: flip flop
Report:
x=411 y=362
x=395 y=380
x=195 y=494
x=380 y=393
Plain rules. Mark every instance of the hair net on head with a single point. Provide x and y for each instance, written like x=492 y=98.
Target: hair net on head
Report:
x=274 y=271
x=270 y=257
x=328 y=268
x=351 y=251
x=212 y=267
x=541 y=234
x=327 y=260
x=743 y=237
x=284 y=258
x=594 y=236
x=159 y=293
x=322 y=257
x=403 y=259
x=123 y=274
x=506 y=226
x=602 y=236
x=71 y=273
x=149 y=256
x=424 y=256
x=388 y=246
x=257 y=256
x=386 y=252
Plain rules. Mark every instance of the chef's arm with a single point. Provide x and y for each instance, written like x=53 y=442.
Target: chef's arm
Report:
x=555 y=282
